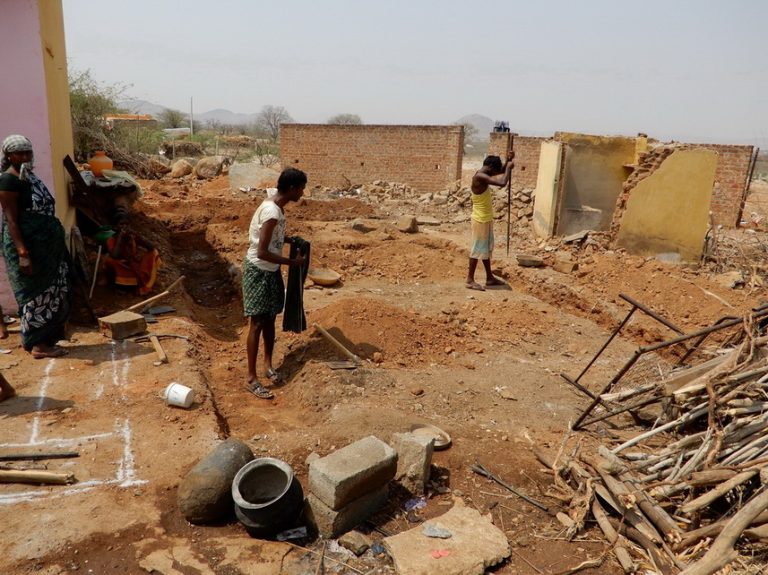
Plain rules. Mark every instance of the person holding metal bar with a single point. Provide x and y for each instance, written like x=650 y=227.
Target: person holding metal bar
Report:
x=493 y=173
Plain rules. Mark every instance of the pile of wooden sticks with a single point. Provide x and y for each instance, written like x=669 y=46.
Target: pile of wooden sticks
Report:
x=683 y=496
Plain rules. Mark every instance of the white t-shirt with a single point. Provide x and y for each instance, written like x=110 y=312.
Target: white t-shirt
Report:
x=268 y=210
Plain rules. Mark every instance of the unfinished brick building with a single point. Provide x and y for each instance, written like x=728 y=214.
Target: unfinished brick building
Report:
x=428 y=158
x=734 y=167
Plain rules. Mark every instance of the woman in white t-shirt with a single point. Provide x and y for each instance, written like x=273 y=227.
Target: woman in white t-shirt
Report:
x=263 y=287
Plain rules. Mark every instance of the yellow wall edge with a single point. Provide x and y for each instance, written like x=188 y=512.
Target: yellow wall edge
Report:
x=59 y=115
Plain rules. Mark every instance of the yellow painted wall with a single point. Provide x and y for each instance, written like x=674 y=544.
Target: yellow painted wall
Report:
x=668 y=212
x=547 y=190
x=57 y=89
x=592 y=180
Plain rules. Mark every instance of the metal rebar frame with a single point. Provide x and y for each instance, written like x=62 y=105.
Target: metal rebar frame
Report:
x=757 y=313
x=635 y=306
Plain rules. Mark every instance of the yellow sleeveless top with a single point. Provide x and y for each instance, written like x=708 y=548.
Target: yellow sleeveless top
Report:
x=482 y=206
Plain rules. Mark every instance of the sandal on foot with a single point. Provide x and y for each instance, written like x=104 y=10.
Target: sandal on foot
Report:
x=275 y=376
x=259 y=391
x=475 y=286
x=54 y=352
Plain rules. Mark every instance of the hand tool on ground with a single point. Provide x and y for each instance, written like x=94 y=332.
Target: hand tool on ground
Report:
x=162 y=357
x=337 y=343
x=480 y=470
x=147 y=302
x=154 y=339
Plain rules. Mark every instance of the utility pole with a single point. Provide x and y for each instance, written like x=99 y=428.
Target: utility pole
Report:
x=191 y=119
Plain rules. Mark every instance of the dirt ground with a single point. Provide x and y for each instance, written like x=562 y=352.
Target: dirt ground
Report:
x=484 y=366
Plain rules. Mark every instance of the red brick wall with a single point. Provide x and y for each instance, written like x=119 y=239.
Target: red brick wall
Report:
x=730 y=181
x=527 y=149
x=427 y=158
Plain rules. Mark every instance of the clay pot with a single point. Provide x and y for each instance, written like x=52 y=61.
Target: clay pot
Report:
x=268 y=498
x=99 y=162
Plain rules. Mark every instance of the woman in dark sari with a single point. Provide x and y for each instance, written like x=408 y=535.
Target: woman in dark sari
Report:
x=35 y=251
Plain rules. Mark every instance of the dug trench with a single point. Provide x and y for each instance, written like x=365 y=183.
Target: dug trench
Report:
x=484 y=366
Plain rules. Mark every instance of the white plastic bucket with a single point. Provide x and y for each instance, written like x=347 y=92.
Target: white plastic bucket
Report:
x=179 y=395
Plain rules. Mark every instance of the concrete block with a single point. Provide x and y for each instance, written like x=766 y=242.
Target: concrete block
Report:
x=332 y=523
x=414 y=458
x=123 y=324
x=352 y=471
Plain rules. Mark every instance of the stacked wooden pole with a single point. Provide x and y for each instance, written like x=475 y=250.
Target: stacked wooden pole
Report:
x=681 y=496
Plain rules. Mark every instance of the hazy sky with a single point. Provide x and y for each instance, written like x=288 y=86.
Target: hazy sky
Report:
x=692 y=70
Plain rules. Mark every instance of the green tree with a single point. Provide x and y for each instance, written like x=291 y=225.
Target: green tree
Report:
x=171 y=118
x=89 y=103
x=269 y=119
x=351 y=119
x=470 y=131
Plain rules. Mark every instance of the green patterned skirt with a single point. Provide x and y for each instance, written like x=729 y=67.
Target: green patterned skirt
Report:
x=44 y=296
x=263 y=292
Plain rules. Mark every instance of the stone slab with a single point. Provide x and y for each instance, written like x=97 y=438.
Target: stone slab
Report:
x=475 y=545
x=331 y=523
x=123 y=324
x=529 y=261
x=352 y=471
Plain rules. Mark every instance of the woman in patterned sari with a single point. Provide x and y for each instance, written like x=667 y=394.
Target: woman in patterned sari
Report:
x=35 y=251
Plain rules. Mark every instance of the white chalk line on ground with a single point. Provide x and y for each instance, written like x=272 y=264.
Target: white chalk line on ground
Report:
x=41 y=401
x=125 y=474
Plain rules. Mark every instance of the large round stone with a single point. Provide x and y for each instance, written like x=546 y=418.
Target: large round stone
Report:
x=205 y=494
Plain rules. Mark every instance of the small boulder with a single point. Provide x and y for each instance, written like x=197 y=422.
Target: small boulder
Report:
x=159 y=165
x=205 y=494
x=181 y=168
x=529 y=261
x=565 y=266
x=360 y=226
x=355 y=541
x=407 y=225
x=209 y=167
x=731 y=280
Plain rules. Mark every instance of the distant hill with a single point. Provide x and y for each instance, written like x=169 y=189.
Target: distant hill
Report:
x=223 y=116
x=226 y=117
x=135 y=106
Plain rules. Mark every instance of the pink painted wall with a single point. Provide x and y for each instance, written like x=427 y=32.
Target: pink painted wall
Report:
x=23 y=97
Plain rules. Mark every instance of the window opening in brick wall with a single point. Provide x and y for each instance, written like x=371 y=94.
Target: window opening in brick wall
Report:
x=437 y=166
